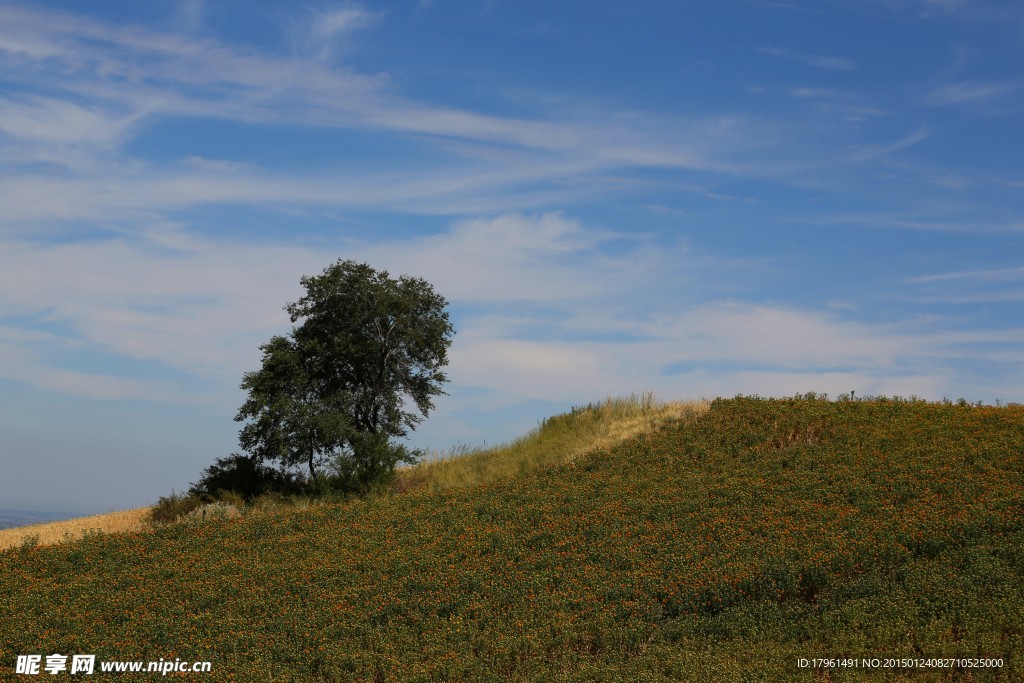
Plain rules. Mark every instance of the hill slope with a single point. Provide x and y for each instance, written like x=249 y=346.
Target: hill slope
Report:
x=722 y=549
x=557 y=440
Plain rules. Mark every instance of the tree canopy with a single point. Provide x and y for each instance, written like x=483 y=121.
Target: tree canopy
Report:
x=360 y=369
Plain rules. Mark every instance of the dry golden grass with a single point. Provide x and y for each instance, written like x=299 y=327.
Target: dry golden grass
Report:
x=52 y=533
x=558 y=440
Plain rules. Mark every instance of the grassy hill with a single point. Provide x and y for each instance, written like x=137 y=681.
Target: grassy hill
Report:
x=718 y=546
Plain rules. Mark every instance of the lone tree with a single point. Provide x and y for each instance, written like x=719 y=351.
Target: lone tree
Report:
x=360 y=369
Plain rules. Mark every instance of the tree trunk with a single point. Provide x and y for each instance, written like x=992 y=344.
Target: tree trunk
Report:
x=312 y=470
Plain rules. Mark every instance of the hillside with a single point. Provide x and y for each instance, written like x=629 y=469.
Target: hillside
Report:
x=557 y=440
x=51 y=533
x=724 y=547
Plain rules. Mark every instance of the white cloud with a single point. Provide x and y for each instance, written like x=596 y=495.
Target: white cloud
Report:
x=966 y=92
x=525 y=370
x=815 y=93
x=190 y=13
x=1006 y=13
x=539 y=258
x=920 y=221
x=992 y=275
x=196 y=308
x=817 y=61
x=724 y=349
x=327 y=29
x=830 y=62
x=341 y=20
x=563 y=331
x=138 y=190
x=203 y=306
x=145 y=74
x=992 y=285
x=862 y=153
x=24 y=362
x=842 y=102
x=784 y=337
x=106 y=83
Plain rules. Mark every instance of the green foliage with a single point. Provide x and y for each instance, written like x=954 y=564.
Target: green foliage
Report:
x=179 y=506
x=169 y=508
x=230 y=498
x=245 y=477
x=29 y=543
x=723 y=548
x=373 y=471
x=337 y=389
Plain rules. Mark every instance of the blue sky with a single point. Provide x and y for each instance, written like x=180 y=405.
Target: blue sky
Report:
x=700 y=199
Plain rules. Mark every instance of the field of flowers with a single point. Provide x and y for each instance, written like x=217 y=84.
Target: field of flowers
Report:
x=726 y=548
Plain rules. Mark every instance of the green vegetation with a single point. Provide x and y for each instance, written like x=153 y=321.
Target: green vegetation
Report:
x=556 y=441
x=333 y=395
x=248 y=486
x=718 y=548
x=338 y=390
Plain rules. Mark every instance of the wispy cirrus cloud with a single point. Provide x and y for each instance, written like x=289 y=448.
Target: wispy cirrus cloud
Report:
x=152 y=73
x=105 y=84
x=924 y=221
x=817 y=61
x=337 y=21
x=322 y=34
x=843 y=103
x=993 y=275
x=35 y=118
x=874 y=151
x=967 y=287
x=137 y=72
x=972 y=93
x=970 y=10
